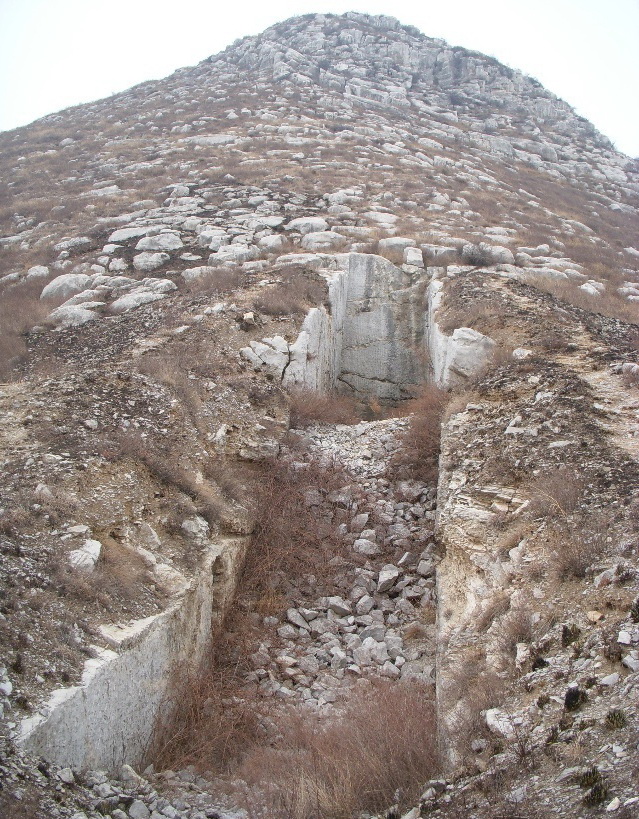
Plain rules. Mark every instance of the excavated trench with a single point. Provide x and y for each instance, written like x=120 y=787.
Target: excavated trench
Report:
x=377 y=336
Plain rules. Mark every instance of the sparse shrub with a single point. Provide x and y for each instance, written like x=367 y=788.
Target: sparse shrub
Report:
x=591 y=776
x=574 y=698
x=362 y=762
x=615 y=718
x=221 y=280
x=569 y=634
x=293 y=296
x=597 y=794
x=419 y=449
x=289 y=538
x=515 y=627
x=20 y=310
x=556 y=491
x=574 y=546
x=309 y=407
x=634 y=611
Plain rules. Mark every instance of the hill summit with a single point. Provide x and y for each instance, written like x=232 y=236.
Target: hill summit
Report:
x=320 y=448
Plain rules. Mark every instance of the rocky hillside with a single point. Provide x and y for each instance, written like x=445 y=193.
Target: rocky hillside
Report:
x=320 y=393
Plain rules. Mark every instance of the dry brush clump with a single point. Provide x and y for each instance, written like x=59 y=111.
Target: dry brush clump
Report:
x=20 y=311
x=298 y=290
x=418 y=455
x=290 y=537
x=379 y=751
x=307 y=407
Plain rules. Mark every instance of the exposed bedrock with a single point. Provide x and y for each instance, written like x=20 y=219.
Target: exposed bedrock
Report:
x=108 y=719
x=376 y=336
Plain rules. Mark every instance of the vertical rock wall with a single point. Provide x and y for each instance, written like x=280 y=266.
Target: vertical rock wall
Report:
x=108 y=719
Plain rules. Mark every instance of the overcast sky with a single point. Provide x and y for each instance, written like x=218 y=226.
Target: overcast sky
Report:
x=57 y=53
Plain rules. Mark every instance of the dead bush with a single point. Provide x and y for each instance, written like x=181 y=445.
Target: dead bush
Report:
x=364 y=761
x=516 y=627
x=290 y=538
x=204 y=722
x=221 y=280
x=419 y=448
x=556 y=491
x=209 y=501
x=574 y=546
x=20 y=310
x=308 y=407
x=298 y=291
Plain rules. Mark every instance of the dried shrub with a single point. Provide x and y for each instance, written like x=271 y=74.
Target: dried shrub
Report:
x=20 y=310
x=556 y=491
x=516 y=627
x=290 y=539
x=308 y=407
x=573 y=547
x=298 y=291
x=221 y=280
x=361 y=762
x=209 y=500
x=419 y=449
x=173 y=372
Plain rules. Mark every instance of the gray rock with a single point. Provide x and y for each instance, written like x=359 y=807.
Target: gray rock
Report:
x=366 y=547
x=146 y=262
x=325 y=240
x=308 y=224
x=65 y=286
x=387 y=578
x=294 y=617
x=162 y=242
x=139 y=810
x=73 y=316
x=339 y=606
x=132 y=300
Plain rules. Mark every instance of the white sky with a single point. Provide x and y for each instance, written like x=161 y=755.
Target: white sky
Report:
x=57 y=53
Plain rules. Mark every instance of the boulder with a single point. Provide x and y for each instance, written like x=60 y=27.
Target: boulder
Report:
x=162 y=242
x=324 y=240
x=387 y=578
x=145 y=262
x=65 y=286
x=308 y=224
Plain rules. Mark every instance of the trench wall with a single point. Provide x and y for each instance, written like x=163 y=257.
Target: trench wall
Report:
x=107 y=720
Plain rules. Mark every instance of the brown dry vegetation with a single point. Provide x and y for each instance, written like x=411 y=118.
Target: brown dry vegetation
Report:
x=419 y=453
x=20 y=310
x=309 y=407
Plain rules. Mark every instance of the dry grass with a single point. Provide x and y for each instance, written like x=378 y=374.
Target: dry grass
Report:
x=556 y=492
x=205 y=723
x=362 y=762
x=209 y=500
x=221 y=280
x=290 y=539
x=20 y=310
x=299 y=290
x=419 y=449
x=574 y=546
x=309 y=407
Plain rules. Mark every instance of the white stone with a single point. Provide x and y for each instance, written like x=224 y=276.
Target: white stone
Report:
x=85 y=558
x=124 y=234
x=413 y=256
x=145 y=262
x=325 y=240
x=161 y=242
x=73 y=316
x=387 y=578
x=132 y=300
x=499 y=723
x=65 y=286
x=308 y=224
